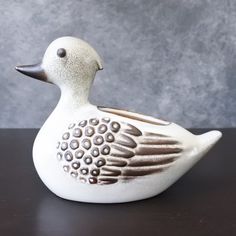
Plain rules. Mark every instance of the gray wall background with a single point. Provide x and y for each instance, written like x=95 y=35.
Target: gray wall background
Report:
x=174 y=59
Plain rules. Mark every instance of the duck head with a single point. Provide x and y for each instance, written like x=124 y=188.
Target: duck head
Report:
x=68 y=62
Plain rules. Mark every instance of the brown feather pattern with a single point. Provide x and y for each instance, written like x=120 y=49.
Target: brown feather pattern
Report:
x=135 y=153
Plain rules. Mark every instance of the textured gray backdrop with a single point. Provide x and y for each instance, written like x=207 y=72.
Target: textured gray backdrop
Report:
x=174 y=59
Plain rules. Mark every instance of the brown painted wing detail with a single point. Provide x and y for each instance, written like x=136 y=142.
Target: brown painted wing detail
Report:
x=134 y=116
x=135 y=153
x=104 y=150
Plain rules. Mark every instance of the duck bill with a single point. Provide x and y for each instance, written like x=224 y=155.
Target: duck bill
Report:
x=35 y=71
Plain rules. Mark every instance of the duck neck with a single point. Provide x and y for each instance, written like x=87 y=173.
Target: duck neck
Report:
x=75 y=95
x=74 y=98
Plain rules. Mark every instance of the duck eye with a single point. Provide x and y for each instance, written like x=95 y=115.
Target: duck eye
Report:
x=61 y=52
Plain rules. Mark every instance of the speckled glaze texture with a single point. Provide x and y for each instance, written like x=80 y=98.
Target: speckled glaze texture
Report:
x=105 y=155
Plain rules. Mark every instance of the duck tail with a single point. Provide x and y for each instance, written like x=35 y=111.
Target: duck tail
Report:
x=208 y=140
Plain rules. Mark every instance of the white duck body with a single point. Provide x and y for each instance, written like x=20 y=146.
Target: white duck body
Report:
x=144 y=157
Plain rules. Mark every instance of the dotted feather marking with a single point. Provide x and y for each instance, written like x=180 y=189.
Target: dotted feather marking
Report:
x=104 y=151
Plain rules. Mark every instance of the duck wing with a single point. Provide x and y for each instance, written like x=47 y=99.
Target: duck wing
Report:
x=108 y=149
x=135 y=153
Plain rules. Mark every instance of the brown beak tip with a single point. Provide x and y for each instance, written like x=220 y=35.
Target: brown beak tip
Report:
x=36 y=71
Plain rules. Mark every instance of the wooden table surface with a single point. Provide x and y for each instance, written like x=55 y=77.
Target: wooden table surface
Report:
x=203 y=202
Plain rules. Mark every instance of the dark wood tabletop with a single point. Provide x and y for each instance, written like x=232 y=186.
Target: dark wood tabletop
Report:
x=203 y=202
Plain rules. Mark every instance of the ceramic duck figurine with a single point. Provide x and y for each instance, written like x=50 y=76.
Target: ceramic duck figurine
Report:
x=104 y=155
